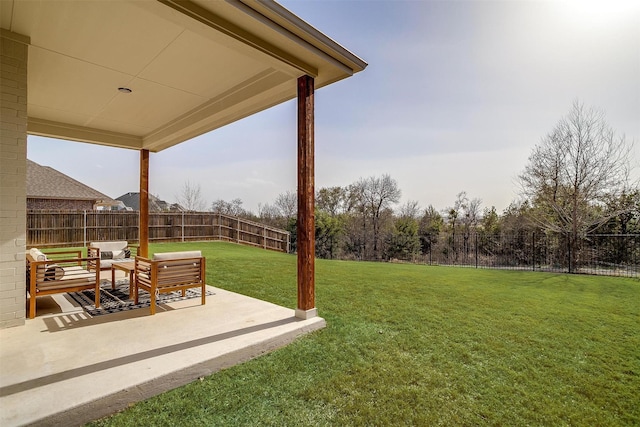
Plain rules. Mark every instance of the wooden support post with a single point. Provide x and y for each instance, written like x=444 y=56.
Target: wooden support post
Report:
x=144 y=204
x=306 y=200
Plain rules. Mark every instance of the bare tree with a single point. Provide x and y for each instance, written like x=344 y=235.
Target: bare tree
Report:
x=287 y=204
x=378 y=194
x=456 y=213
x=357 y=220
x=190 y=197
x=411 y=209
x=283 y=214
x=471 y=215
x=572 y=173
x=465 y=213
x=233 y=208
x=268 y=213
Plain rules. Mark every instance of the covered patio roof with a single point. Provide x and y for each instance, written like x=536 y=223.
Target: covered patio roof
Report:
x=147 y=75
x=150 y=74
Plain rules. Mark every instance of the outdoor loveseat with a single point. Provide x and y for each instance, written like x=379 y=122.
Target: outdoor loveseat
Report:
x=168 y=272
x=110 y=252
x=60 y=272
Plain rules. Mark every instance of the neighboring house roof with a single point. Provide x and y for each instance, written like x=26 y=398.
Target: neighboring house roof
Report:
x=44 y=182
x=132 y=200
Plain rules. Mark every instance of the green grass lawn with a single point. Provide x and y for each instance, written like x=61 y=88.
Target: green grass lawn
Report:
x=419 y=345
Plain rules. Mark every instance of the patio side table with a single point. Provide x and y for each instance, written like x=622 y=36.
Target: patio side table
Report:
x=128 y=267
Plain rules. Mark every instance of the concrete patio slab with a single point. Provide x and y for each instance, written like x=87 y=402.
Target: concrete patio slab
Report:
x=67 y=368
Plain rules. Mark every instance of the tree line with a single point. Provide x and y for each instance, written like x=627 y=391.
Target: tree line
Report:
x=576 y=182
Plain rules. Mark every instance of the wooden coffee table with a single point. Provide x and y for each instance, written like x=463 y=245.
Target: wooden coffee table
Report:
x=128 y=267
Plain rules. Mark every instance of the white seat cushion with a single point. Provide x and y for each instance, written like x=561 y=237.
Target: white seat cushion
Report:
x=163 y=256
x=110 y=246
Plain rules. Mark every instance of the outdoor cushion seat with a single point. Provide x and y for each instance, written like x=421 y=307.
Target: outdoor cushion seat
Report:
x=71 y=273
x=59 y=272
x=110 y=252
x=169 y=272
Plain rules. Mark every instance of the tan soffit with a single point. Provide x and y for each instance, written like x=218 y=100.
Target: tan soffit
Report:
x=192 y=66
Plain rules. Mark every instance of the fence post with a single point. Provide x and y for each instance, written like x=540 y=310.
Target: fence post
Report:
x=219 y=226
x=182 y=227
x=264 y=236
x=84 y=228
x=476 y=236
x=533 y=250
x=569 y=251
x=238 y=230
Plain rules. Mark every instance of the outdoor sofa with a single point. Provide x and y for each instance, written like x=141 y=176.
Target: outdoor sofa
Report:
x=168 y=272
x=60 y=272
x=110 y=252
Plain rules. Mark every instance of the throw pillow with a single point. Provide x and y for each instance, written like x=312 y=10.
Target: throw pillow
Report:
x=106 y=255
x=53 y=272
x=37 y=255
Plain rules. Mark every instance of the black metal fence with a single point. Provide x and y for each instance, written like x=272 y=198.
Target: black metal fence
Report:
x=600 y=254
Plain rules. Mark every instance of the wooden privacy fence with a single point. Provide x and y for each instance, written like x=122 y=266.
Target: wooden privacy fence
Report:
x=78 y=228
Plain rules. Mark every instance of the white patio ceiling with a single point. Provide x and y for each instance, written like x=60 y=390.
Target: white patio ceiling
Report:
x=192 y=66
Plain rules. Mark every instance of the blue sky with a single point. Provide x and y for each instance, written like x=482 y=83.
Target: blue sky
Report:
x=455 y=97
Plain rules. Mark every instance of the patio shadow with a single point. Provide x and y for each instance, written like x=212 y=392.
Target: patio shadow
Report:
x=89 y=369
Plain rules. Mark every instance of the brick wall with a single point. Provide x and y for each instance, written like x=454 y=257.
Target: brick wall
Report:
x=13 y=177
x=59 y=204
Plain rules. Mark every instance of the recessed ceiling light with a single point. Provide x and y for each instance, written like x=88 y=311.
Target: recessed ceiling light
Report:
x=125 y=90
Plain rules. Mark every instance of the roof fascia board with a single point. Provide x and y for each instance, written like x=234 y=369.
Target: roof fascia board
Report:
x=248 y=8
x=59 y=130
x=229 y=29
x=293 y=23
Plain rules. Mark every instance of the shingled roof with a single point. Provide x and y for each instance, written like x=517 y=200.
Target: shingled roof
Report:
x=132 y=200
x=44 y=182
